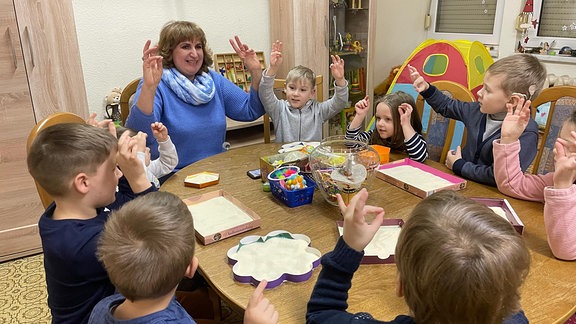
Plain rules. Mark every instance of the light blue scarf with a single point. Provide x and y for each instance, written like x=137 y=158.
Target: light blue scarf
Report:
x=196 y=92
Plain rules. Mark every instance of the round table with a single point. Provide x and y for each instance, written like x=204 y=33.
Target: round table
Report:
x=548 y=295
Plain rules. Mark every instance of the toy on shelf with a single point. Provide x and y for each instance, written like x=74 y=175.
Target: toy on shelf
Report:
x=112 y=101
x=347 y=43
x=230 y=66
x=357 y=47
x=355 y=4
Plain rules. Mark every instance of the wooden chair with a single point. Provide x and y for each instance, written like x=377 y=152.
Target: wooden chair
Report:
x=57 y=118
x=127 y=93
x=562 y=101
x=439 y=130
x=279 y=86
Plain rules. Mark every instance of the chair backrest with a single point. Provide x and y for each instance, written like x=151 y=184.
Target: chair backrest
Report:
x=437 y=129
x=57 y=118
x=127 y=93
x=561 y=102
x=279 y=86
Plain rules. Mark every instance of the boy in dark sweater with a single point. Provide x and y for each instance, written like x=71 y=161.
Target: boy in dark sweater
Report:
x=458 y=262
x=506 y=81
x=77 y=164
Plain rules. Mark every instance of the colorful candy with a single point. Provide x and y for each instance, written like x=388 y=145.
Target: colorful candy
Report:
x=294 y=182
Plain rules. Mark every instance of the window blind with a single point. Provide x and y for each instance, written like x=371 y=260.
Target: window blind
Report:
x=466 y=16
x=558 y=19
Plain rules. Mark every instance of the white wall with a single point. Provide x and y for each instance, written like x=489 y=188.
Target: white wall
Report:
x=399 y=30
x=111 y=34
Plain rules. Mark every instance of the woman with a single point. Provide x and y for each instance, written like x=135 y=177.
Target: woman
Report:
x=179 y=90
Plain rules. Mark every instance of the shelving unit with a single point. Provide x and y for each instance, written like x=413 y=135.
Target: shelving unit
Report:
x=230 y=66
x=349 y=39
x=240 y=133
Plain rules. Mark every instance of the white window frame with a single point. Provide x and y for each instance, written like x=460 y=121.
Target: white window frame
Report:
x=493 y=39
x=534 y=40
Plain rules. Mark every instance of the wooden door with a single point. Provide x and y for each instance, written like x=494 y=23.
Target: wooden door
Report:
x=302 y=26
x=20 y=207
x=52 y=57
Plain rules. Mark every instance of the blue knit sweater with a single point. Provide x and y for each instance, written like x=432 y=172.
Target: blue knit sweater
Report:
x=197 y=131
x=477 y=161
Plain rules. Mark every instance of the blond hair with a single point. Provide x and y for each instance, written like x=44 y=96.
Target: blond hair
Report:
x=175 y=32
x=520 y=71
x=459 y=262
x=62 y=151
x=301 y=73
x=147 y=245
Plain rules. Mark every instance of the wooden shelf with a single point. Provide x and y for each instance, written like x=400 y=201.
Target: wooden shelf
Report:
x=245 y=136
x=231 y=67
x=233 y=124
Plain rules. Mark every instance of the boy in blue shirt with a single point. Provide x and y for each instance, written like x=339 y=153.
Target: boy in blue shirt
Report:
x=147 y=246
x=77 y=164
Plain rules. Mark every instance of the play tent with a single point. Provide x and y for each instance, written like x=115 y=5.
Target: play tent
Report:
x=460 y=61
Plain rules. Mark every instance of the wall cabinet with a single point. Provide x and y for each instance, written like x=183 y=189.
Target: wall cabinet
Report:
x=313 y=30
x=40 y=73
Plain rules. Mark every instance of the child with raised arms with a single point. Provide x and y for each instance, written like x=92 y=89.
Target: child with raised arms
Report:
x=77 y=164
x=556 y=189
x=505 y=82
x=397 y=125
x=300 y=116
x=167 y=156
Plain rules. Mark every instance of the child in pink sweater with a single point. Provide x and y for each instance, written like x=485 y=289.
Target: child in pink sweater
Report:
x=556 y=189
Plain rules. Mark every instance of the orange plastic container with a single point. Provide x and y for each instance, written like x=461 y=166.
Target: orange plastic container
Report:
x=383 y=152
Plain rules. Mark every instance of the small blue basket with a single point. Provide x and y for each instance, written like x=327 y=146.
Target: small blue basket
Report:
x=294 y=198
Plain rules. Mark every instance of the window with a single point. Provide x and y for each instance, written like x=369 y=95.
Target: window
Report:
x=556 y=22
x=479 y=20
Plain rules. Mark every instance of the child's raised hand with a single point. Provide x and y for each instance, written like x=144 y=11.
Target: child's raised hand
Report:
x=357 y=231
x=337 y=70
x=100 y=124
x=151 y=66
x=159 y=131
x=127 y=149
x=420 y=84
x=362 y=107
x=564 y=163
x=140 y=142
x=405 y=111
x=130 y=164
x=515 y=122
x=276 y=55
x=259 y=309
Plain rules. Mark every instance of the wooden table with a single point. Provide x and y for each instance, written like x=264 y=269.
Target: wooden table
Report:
x=548 y=295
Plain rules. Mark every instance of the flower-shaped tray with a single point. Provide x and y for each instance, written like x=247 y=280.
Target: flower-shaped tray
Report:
x=276 y=257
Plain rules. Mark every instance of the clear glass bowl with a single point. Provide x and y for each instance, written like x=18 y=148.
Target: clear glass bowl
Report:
x=342 y=166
